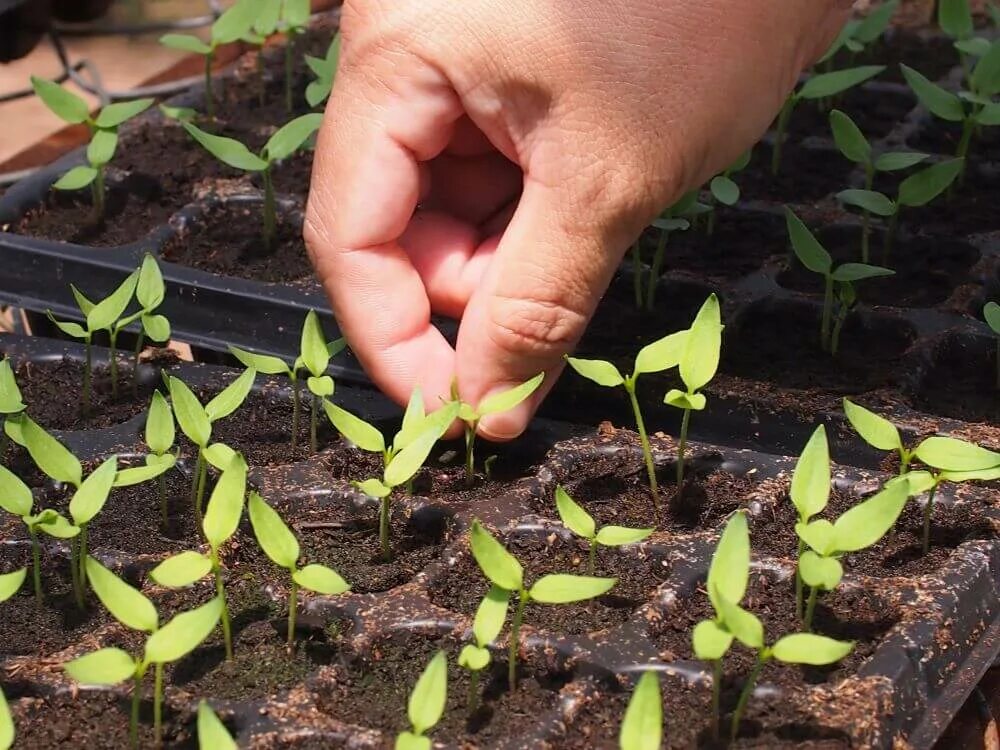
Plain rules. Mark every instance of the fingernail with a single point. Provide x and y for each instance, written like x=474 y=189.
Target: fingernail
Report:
x=509 y=424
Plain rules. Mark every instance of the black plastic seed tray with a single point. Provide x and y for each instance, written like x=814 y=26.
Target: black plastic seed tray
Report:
x=931 y=631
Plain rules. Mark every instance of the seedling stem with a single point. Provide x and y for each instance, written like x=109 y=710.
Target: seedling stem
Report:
x=716 y=696
x=515 y=628
x=928 y=511
x=383 y=529
x=36 y=565
x=647 y=453
x=220 y=591
x=779 y=137
x=748 y=687
x=682 y=446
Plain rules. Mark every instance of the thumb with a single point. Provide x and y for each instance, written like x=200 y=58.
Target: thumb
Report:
x=534 y=302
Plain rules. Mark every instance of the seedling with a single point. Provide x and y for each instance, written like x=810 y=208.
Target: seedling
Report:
x=426 y=704
x=503 y=570
x=577 y=520
x=279 y=146
x=280 y=544
x=677 y=218
x=222 y=517
x=486 y=626
x=859 y=33
x=659 y=356
x=955 y=20
x=991 y=313
x=402 y=459
x=496 y=403
x=294 y=20
x=101 y=316
x=810 y=493
x=724 y=190
x=103 y=136
x=816 y=258
x=173 y=641
x=159 y=438
x=149 y=292
x=915 y=191
x=642 y=725
x=228 y=28
x=698 y=365
x=315 y=356
x=852 y=144
x=196 y=422
x=858 y=528
x=818 y=87
x=11 y=403
x=325 y=70
x=212 y=733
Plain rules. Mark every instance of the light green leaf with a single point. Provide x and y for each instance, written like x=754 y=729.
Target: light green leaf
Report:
x=597 y=370
x=57 y=526
x=10 y=583
x=745 y=626
x=314 y=352
x=980 y=475
x=897 y=160
x=150 y=289
x=212 y=733
x=76 y=179
x=115 y=114
x=926 y=185
x=219 y=455
x=64 y=104
x=190 y=414
x=321 y=386
x=266 y=22
x=820 y=572
x=819 y=535
x=564 y=589
x=616 y=536
x=729 y=570
x=849 y=138
x=231 y=398
x=868 y=200
x=260 y=362
x=182 y=569
x=185 y=43
x=490 y=615
x=662 y=354
x=291 y=136
x=710 y=641
x=507 y=400
x=374 y=488
x=7 y=732
x=101 y=148
x=235 y=22
x=15 y=495
x=850 y=272
x=877 y=431
x=574 y=518
x=939 y=101
x=952 y=454
x=642 y=725
x=426 y=704
x=410 y=741
x=106 y=312
x=160 y=432
x=51 y=456
x=273 y=535
x=682 y=400
x=355 y=429
x=918 y=482
x=181 y=114
x=497 y=564
x=955 y=18
x=10 y=395
x=876 y=22
x=227 y=150
x=810 y=490
x=321 y=579
x=976 y=46
x=826 y=85
x=703 y=346
x=109 y=666
x=473 y=658
x=184 y=633
x=807 y=648
x=225 y=506
x=128 y=605
x=724 y=190
x=807 y=248
x=89 y=499
x=157 y=327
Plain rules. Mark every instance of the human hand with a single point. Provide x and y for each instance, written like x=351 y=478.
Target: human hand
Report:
x=493 y=162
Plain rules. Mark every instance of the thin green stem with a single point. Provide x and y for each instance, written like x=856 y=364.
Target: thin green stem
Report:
x=716 y=697
x=824 y=328
x=296 y=411
x=810 y=609
x=473 y=699
x=647 y=453
x=383 y=528
x=140 y=342
x=74 y=571
x=655 y=269
x=314 y=424
x=838 y=327
x=470 y=454
x=741 y=704
x=209 y=96
x=928 y=511
x=161 y=482
x=36 y=565
x=904 y=460
x=779 y=137
x=113 y=361
x=592 y=557
x=289 y=51
x=270 y=220
x=637 y=272
x=158 y=704
x=514 y=646
x=87 y=376
x=202 y=476
x=133 y=724
x=220 y=591
x=968 y=128
x=293 y=604
x=98 y=195
x=682 y=447
x=83 y=558
x=798 y=582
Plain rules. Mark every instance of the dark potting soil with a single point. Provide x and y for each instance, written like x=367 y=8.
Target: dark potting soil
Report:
x=828 y=173
x=933 y=56
x=961 y=381
x=373 y=692
x=291 y=177
x=876 y=111
x=228 y=240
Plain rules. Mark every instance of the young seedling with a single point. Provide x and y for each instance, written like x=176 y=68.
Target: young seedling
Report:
x=991 y=313
x=402 y=459
x=149 y=292
x=724 y=190
x=12 y=405
x=426 y=704
x=955 y=20
x=159 y=436
x=698 y=365
x=496 y=403
x=280 y=544
x=857 y=529
x=663 y=354
x=196 y=422
x=222 y=517
x=815 y=257
x=581 y=523
x=173 y=641
x=101 y=316
x=677 y=218
x=103 y=136
x=818 y=87
x=486 y=626
x=916 y=190
x=859 y=33
x=878 y=432
x=231 y=26
x=503 y=570
x=285 y=142
x=325 y=70
x=315 y=356
x=642 y=725
x=294 y=20
x=854 y=146
x=810 y=493
x=212 y=733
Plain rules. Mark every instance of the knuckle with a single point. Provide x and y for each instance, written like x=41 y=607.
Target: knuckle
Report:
x=533 y=328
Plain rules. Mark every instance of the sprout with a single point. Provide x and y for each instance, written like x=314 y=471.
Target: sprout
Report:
x=723 y=187
x=173 y=641
x=816 y=258
x=852 y=144
x=820 y=86
x=860 y=527
x=504 y=571
x=991 y=313
x=676 y=218
x=858 y=33
x=642 y=725
x=325 y=69
x=280 y=544
x=915 y=191
x=955 y=19
x=426 y=704
x=294 y=19
x=212 y=733
x=698 y=365
x=659 y=356
x=496 y=403
x=11 y=403
x=105 y=315
x=486 y=626
x=401 y=460
x=222 y=517
x=228 y=28
x=103 y=136
x=285 y=142
x=149 y=292
x=577 y=520
x=196 y=422
x=159 y=438
x=810 y=493
x=314 y=355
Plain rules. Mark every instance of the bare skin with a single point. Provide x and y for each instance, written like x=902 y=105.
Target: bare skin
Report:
x=493 y=162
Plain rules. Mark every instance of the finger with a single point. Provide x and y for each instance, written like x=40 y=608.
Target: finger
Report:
x=387 y=113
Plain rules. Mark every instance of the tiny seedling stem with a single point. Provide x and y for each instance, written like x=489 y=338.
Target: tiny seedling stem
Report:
x=928 y=511
x=968 y=128
x=220 y=590
x=293 y=603
x=383 y=529
x=200 y=494
x=824 y=329
x=113 y=362
x=313 y=423
x=647 y=453
x=514 y=647
x=36 y=566
x=296 y=411
x=83 y=560
x=140 y=342
x=744 y=698
x=133 y=724
x=470 y=456
x=682 y=447
x=97 y=191
x=779 y=137
x=158 y=704
x=209 y=96
x=164 y=511
x=473 y=699
x=269 y=209
x=838 y=326
x=716 y=696
x=798 y=581
x=637 y=272
x=655 y=269
x=74 y=570
x=810 y=609
x=85 y=404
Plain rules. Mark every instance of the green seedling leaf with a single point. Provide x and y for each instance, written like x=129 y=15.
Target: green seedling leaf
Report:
x=143 y=474
x=565 y=589
x=227 y=150
x=868 y=200
x=88 y=501
x=374 y=488
x=231 y=397
x=101 y=148
x=190 y=413
x=235 y=22
x=807 y=248
x=982 y=475
x=918 y=482
x=410 y=741
x=181 y=570
x=877 y=431
x=616 y=536
x=955 y=18
x=682 y=400
x=703 y=346
x=939 y=101
x=597 y=370
x=266 y=22
x=57 y=526
x=290 y=137
x=662 y=354
x=473 y=658
x=160 y=432
x=15 y=495
x=897 y=160
x=321 y=386
x=574 y=518
x=724 y=190
x=926 y=185
x=819 y=535
x=10 y=583
x=128 y=605
x=355 y=429
x=181 y=114
x=76 y=179
x=260 y=362
x=849 y=138
x=225 y=506
x=807 y=648
x=219 y=455
x=671 y=225
x=64 y=104
x=296 y=13
x=991 y=313
x=168 y=460
x=181 y=636
x=849 y=272
x=157 y=327
x=185 y=43
x=70 y=329
x=985 y=78
x=820 y=572
x=115 y=114
x=82 y=302
x=150 y=289
x=7 y=732
x=729 y=570
x=952 y=454
x=507 y=400
x=320 y=579
x=413 y=420
x=212 y=733
x=273 y=535
x=989 y=115
x=745 y=626
x=315 y=355
x=50 y=455
x=826 y=85
x=10 y=394
x=710 y=640
x=426 y=704
x=490 y=615
x=810 y=490
x=109 y=666
x=497 y=564
x=875 y=23
x=642 y=725
x=104 y=314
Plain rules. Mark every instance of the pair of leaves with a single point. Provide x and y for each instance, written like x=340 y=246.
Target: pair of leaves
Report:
x=581 y=523
x=426 y=704
x=196 y=420
x=501 y=401
x=662 y=354
x=916 y=190
x=858 y=33
x=815 y=257
x=73 y=110
x=231 y=26
x=858 y=528
x=325 y=70
x=728 y=575
x=702 y=347
x=853 y=144
x=286 y=141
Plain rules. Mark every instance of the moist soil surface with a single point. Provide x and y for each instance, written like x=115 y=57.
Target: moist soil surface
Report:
x=874 y=109
x=828 y=173
x=961 y=381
